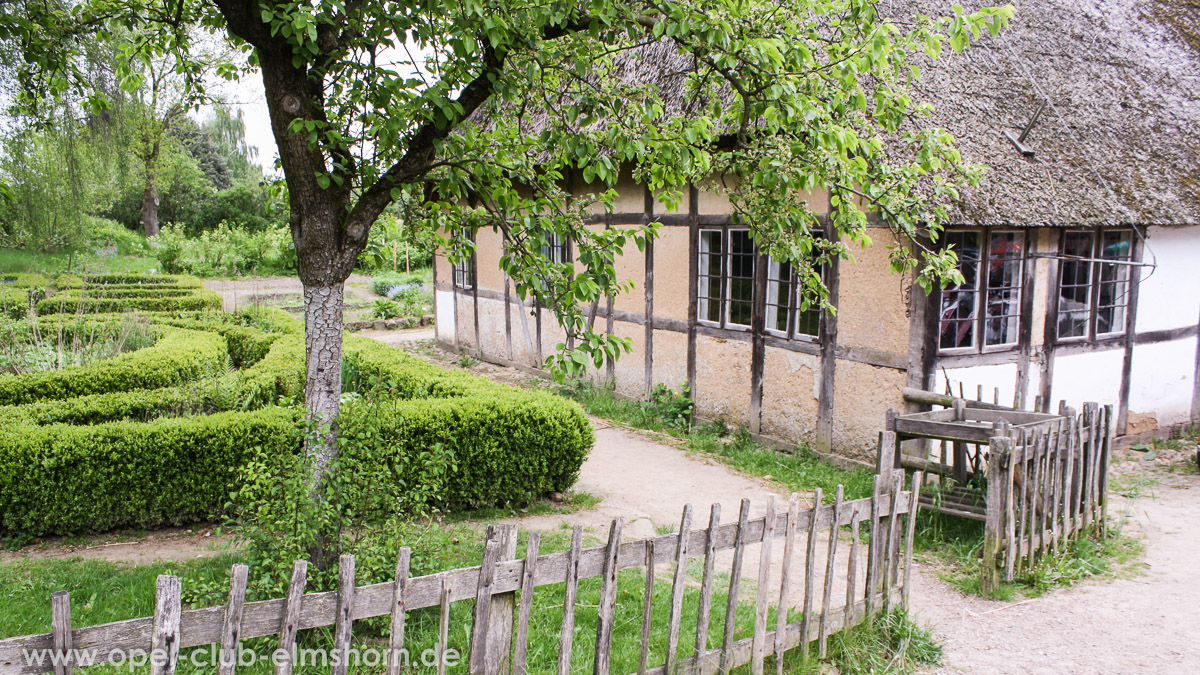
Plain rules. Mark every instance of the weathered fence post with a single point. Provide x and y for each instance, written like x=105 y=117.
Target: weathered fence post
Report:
x=60 y=624
x=999 y=449
x=168 y=606
x=491 y=644
x=1105 y=459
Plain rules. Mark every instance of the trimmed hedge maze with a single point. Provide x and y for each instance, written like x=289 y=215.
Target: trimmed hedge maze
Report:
x=159 y=436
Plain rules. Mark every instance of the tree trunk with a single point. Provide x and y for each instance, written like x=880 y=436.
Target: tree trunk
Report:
x=150 y=209
x=323 y=371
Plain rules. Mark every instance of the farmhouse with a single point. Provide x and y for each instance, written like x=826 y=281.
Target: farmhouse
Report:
x=1080 y=253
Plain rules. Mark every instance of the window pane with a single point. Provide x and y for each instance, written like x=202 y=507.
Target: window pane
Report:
x=1005 y=259
x=780 y=294
x=1114 y=283
x=1075 y=285
x=741 y=278
x=958 y=302
x=709 y=279
x=555 y=248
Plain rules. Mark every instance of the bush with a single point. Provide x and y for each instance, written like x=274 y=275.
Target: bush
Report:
x=126 y=281
x=110 y=299
x=226 y=250
x=418 y=435
x=178 y=356
x=64 y=479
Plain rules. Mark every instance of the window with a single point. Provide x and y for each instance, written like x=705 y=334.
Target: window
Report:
x=725 y=283
x=464 y=270
x=984 y=311
x=1093 y=285
x=556 y=248
x=784 y=291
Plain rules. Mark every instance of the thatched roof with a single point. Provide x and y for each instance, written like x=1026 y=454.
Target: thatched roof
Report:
x=1119 y=142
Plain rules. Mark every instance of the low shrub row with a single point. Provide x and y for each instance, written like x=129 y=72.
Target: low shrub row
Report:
x=93 y=300
x=62 y=478
x=68 y=281
x=479 y=442
x=178 y=356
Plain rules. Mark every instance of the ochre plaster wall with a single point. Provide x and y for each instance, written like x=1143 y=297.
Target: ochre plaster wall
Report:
x=871 y=304
x=862 y=395
x=790 y=390
x=671 y=269
x=723 y=378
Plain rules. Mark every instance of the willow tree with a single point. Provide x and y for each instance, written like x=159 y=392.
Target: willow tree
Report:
x=473 y=113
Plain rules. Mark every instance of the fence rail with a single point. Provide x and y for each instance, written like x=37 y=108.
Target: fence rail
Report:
x=500 y=630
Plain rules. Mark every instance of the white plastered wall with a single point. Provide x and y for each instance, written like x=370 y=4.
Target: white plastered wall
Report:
x=1090 y=377
x=1000 y=376
x=1169 y=295
x=1163 y=377
x=443 y=302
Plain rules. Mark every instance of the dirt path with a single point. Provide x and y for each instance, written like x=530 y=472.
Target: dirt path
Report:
x=1147 y=623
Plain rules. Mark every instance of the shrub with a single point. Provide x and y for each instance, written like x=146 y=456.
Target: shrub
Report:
x=64 y=479
x=114 y=281
x=178 y=356
x=227 y=250
x=108 y=299
x=385 y=309
x=418 y=436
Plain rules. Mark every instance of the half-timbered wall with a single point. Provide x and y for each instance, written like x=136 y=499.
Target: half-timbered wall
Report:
x=832 y=389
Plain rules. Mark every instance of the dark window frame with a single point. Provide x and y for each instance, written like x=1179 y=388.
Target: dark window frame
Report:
x=556 y=246
x=1095 y=284
x=463 y=271
x=979 y=320
x=794 y=313
x=725 y=278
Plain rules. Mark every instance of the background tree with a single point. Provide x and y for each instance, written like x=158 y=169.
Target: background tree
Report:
x=474 y=112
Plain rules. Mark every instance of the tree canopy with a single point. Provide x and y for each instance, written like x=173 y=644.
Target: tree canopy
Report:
x=473 y=113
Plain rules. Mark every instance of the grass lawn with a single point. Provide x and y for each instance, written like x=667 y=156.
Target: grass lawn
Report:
x=18 y=261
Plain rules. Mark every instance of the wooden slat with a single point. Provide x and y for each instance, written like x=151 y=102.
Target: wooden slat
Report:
x=810 y=559
x=893 y=546
x=1009 y=513
x=830 y=565
x=1068 y=512
x=852 y=566
x=566 y=636
x=918 y=480
x=483 y=608
x=1056 y=472
x=647 y=610
x=735 y=579
x=290 y=624
x=759 y=649
x=344 y=626
x=443 y=625
x=704 y=609
x=785 y=579
x=1106 y=439
x=60 y=626
x=168 y=606
x=678 y=588
x=231 y=632
x=500 y=617
x=399 y=612
x=873 y=548
x=608 y=601
x=521 y=648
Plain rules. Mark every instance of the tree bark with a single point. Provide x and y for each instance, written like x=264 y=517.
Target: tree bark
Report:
x=150 y=209
x=323 y=370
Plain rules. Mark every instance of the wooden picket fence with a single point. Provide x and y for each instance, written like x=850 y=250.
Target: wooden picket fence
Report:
x=1045 y=485
x=500 y=629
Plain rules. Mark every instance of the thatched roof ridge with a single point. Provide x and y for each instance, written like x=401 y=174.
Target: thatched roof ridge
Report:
x=1120 y=142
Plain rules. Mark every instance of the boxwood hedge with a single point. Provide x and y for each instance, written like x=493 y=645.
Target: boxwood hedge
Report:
x=179 y=355
x=103 y=299
x=105 y=446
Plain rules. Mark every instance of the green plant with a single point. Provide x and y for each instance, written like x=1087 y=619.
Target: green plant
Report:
x=385 y=309
x=673 y=407
x=467 y=361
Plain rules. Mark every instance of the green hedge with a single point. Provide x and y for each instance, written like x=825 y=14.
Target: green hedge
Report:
x=178 y=356
x=506 y=445
x=128 y=281
x=102 y=300
x=63 y=479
